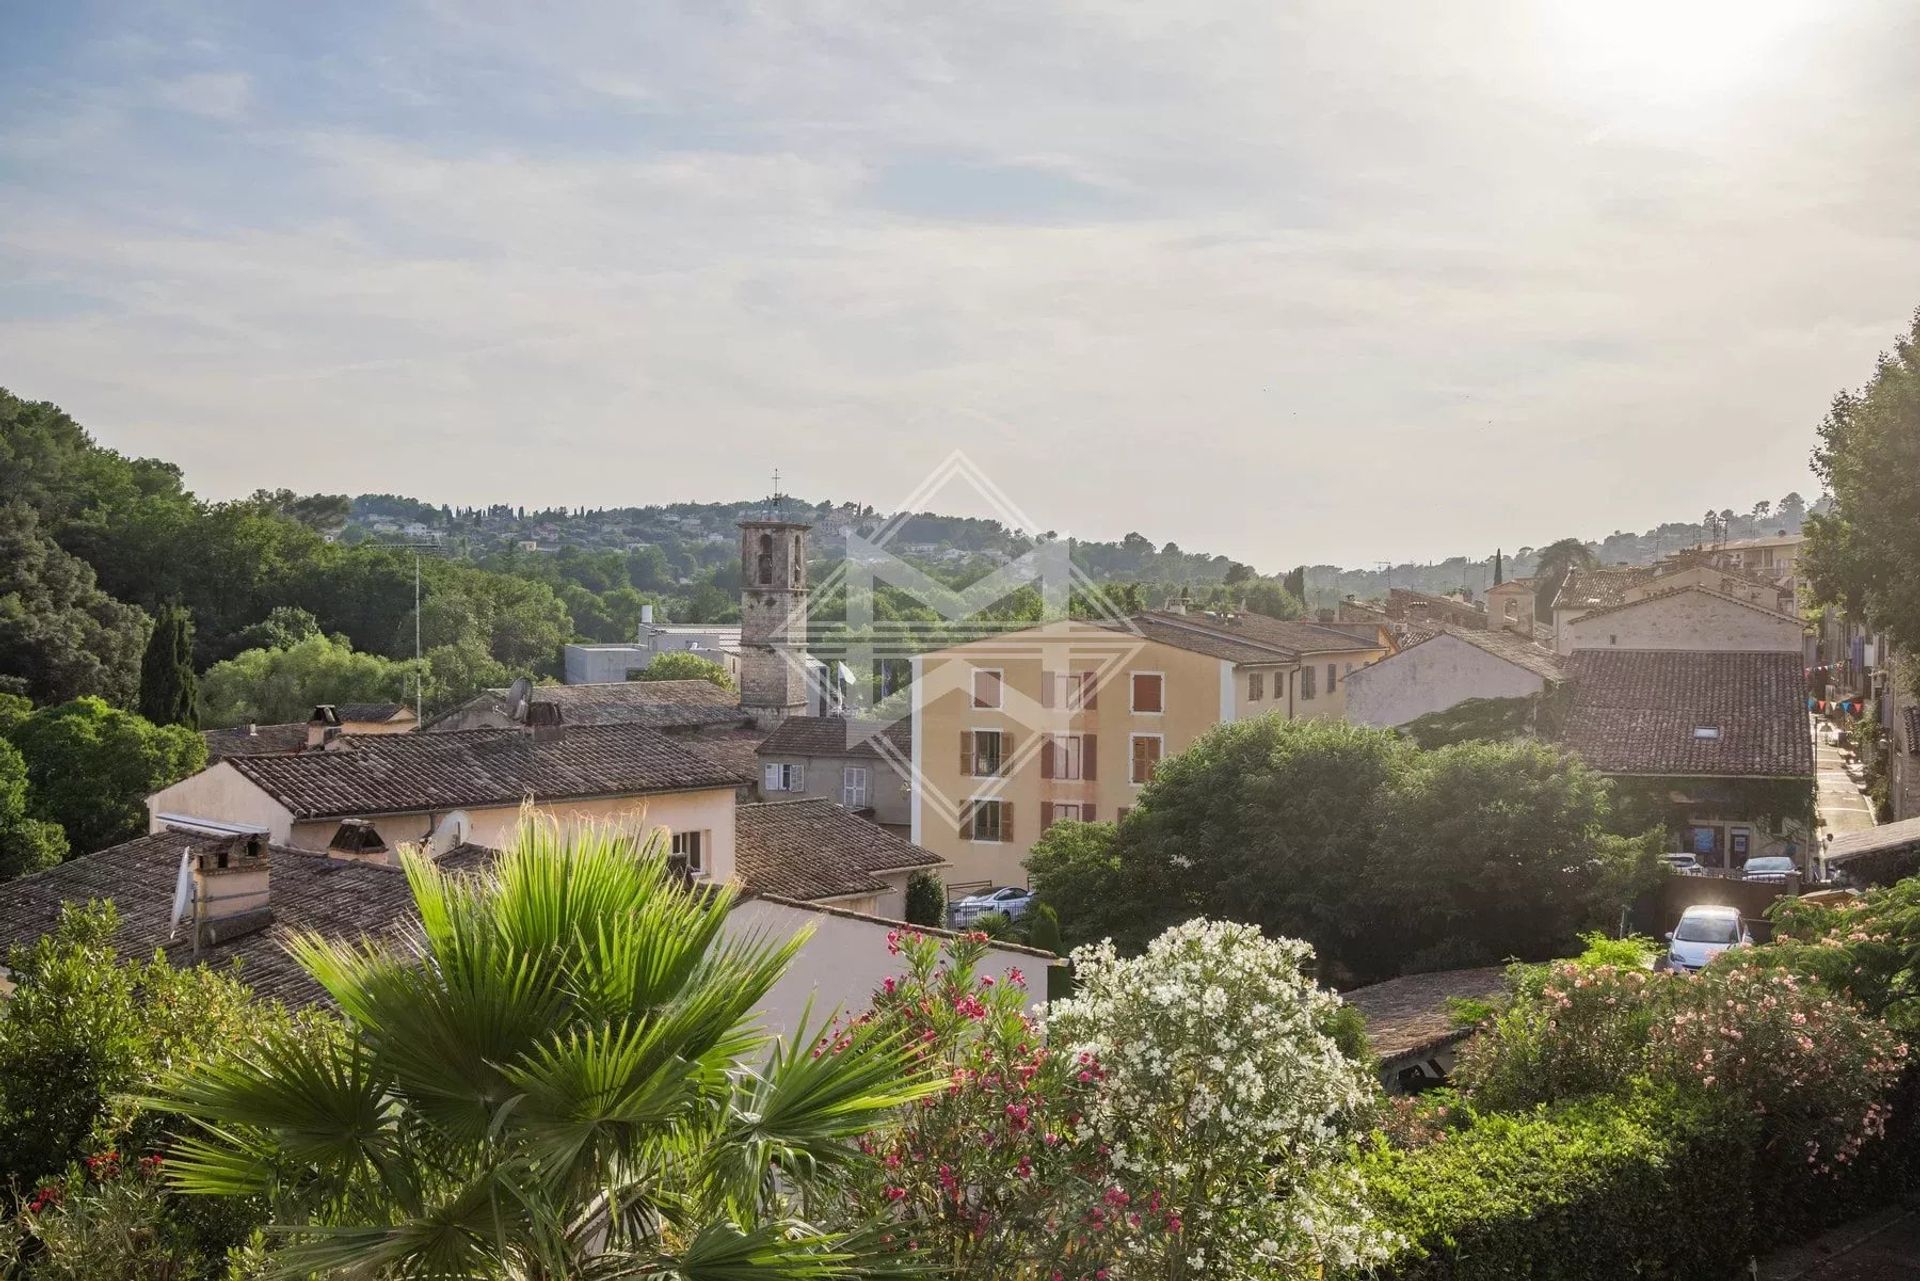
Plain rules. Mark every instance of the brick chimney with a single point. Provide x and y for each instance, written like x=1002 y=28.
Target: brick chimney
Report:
x=231 y=890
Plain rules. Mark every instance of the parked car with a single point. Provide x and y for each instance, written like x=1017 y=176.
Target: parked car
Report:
x=1703 y=933
x=1686 y=864
x=1769 y=867
x=1009 y=900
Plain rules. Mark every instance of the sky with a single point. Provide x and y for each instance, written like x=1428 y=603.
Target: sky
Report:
x=1324 y=281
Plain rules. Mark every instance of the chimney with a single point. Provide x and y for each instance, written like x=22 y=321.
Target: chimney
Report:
x=230 y=890
x=323 y=724
x=546 y=722
x=253 y=730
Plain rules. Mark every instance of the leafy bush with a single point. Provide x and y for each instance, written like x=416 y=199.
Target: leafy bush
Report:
x=926 y=900
x=91 y=767
x=681 y=665
x=82 y=1032
x=1602 y=1188
x=1568 y=1030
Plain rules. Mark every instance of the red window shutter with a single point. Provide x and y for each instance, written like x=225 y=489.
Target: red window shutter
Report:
x=1046 y=757
x=1088 y=757
x=1089 y=690
x=1046 y=815
x=966 y=821
x=1046 y=689
x=966 y=752
x=1006 y=820
x=1006 y=752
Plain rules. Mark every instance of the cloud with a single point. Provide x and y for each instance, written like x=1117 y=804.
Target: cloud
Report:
x=1332 y=282
x=217 y=95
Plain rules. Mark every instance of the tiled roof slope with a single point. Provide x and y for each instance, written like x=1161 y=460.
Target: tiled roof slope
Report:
x=1407 y=1016
x=332 y=897
x=410 y=773
x=262 y=740
x=1635 y=712
x=1243 y=638
x=1912 y=718
x=1599 y=588
x=814 y=849
x=657 y=704
x=836 y=736
x=1521 y=653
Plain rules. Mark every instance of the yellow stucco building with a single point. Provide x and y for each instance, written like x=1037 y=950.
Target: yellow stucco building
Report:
x=1068 y=720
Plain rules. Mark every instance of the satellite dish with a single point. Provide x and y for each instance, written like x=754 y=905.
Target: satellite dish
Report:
x=519 y=695
x=182 y=892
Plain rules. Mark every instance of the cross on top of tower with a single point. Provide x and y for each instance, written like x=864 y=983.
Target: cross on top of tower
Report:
x=779 y=499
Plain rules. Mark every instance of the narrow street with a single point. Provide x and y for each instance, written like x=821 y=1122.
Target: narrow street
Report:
x=1881 y=1247
x=1842 y=807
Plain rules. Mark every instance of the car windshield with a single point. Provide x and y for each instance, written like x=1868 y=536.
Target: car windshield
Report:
x=1707 y=929
x=1769 y=864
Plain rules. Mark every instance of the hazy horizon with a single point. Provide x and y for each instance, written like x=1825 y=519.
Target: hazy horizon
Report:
x=1341 y=284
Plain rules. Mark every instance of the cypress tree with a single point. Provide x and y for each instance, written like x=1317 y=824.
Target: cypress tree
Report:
x=168 y=688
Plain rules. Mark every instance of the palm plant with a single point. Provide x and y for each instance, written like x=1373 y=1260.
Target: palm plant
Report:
x=1556 y=561
x=558 y=1075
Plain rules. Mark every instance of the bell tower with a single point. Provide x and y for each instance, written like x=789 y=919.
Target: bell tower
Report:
x=773 y=614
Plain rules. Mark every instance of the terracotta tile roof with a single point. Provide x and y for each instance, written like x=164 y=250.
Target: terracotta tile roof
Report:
x=365 y=712
x=1601 y=588
x=1242 y=638
x=1874 y=840
x=1683 y=589
x=409 y=773
x=1523 y=654
x=1912 y=718
x=838 y=736
x=260 y=740
x=814 y=849
x=657 y=704
x=736 y=747
x=1408 y=1016
x=1636 y=712
x=332 y=897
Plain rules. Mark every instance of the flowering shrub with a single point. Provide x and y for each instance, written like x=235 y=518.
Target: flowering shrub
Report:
x=1814 y=1067
x=107 y=1219
x=994 y=1177
x=1867 y=947
x=1217 y=1090
x=1568 y=1030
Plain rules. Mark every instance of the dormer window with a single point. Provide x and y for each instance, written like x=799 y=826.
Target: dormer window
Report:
x=1707 y=732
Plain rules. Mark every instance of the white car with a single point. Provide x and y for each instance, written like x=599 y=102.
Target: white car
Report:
x=1008 y=900
x=1703 y=933
x=1685 y=864
x=1769 y=867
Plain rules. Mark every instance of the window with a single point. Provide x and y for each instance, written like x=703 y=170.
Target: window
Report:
x=1706 y=731
x=1306 y=684
x=1256 y=686
x=982 y=752
x=765 y=559
x=1071 y=690
x=1149 y=692
x=687 y=845
x=853 y=786
x=1052 y=812
x=986 y=687
x=785 y=778
x=1146 y=757
x=990 y=821
x=1069 y=756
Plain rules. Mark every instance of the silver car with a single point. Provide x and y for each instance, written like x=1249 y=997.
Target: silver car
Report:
x=1009 y=901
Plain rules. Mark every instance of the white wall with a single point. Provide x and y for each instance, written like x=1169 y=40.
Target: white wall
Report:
x=845 y=961
x=1431 y=677
x=222 y=793
x=1685 y=620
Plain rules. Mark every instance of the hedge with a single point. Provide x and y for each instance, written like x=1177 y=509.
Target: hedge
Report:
x=1604 y=1188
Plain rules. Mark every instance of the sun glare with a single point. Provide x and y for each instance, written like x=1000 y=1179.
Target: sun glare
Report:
x=1669 y=60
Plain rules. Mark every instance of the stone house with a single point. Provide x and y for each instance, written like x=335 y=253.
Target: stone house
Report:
x=1448 y=668
x=866 y=766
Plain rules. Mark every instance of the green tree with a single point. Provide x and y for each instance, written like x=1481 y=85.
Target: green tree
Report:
x=1076 y=869
x=926 y=900
x=284 y=627
x=274 y=686
x=1264 y=596
x=1497 y=850
x=83 y=1032
x=1556 y=560
x=565 y=1079
x=59 y=632
x=90 y=768
x=1865 y=551
x=167 y=683
x=682 y=665
x=27 y=844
